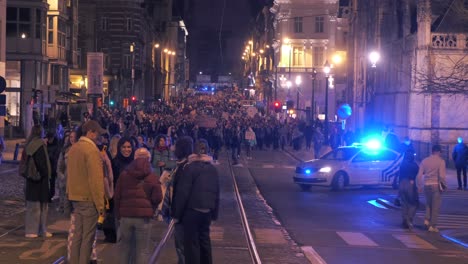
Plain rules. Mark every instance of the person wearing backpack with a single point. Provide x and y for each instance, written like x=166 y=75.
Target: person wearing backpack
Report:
x=37 y=192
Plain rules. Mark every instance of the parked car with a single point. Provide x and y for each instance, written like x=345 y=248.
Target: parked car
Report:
x=345 y=166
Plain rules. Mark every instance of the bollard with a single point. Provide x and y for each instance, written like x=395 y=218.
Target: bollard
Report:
x=15 y=155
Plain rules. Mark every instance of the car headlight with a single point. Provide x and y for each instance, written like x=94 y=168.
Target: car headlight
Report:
x=325 y=169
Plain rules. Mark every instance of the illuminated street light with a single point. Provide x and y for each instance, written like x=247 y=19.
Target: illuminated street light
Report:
x=267 y=46
x=250 y=42
x=286 y=40
x=23 y=35
x=166 y=50
x=243 y=57
x=337 y=59
x=298 y=80
x=156 y=45
x=288 y=84
x=261 y=51
x=374 y=57
x=201 y=73
x=253 y=54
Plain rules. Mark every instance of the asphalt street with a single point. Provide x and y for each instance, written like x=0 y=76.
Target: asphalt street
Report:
x=345 y=227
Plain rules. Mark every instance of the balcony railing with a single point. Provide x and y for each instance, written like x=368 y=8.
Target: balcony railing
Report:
x=449 y=41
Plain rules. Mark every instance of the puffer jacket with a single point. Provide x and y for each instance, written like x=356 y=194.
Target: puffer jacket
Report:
x=196 y=188
x=138 y=191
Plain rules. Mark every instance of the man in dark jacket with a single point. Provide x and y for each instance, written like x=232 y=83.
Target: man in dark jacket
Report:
x=407 y=189
x=459 y=156
x=196 y=204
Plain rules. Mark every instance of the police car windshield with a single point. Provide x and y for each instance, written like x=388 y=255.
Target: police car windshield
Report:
x=340 y=154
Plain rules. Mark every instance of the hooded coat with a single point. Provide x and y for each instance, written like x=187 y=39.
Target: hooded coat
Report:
x=138 y=190
x=196 y=188
x=38 y=191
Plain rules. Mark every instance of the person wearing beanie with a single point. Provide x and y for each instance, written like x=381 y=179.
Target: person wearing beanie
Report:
x=136 y=198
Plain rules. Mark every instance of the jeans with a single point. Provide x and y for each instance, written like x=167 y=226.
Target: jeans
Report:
x=36 y=218
x=409 y=200
x=459 y=174
x=81 y=243
x=433 y=202
x=179 y=242
x=134 y=240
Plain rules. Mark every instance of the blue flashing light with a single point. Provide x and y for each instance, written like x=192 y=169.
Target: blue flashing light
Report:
x=308 y=171
x=212 y=88
x=373 y=144
x=457 y=241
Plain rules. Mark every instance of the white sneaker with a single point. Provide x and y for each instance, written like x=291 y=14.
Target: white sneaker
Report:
x=426 y=223
x=31 y=235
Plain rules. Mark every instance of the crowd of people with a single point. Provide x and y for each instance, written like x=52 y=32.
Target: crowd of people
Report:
x=118 y=170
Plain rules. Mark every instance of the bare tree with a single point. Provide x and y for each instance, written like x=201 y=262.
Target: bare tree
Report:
x=448 y=75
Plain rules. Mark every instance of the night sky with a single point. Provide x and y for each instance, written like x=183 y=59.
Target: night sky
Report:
x=207 y=51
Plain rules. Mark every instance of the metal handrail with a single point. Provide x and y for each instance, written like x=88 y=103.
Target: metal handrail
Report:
x=157 y=251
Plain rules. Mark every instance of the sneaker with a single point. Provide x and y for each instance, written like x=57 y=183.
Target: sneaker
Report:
x=47 y=234
x=433 y=229
x=31 y=235
x=426 y=223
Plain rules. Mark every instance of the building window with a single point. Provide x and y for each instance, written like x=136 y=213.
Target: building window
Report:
x=298 y=25
x=319 y=21
x=318 y=56
x=129 y=24
x=104 y=23
x=50 y=30
x=126 y=61
x=298 y=57
x=38 y=27
x=18 y=22
x=61 y=37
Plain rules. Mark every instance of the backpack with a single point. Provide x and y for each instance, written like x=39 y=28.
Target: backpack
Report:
x=27 y=167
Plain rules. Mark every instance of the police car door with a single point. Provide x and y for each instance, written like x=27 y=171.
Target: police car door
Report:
x=364 y=168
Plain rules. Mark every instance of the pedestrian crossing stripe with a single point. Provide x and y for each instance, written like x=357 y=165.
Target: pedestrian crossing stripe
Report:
x=413 y=241
x=357 y=239
x=268 y=166
x=448 y=221
x=216 y=233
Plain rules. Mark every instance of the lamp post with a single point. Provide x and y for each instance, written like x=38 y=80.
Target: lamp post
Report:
x=298 y=83
x=312 y=103
x=132 y=51
x=326 y=70
x=288 y=84
x=374 y=57
x=288 y=41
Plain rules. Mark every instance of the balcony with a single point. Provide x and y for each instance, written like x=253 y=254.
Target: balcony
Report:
x=449 y=41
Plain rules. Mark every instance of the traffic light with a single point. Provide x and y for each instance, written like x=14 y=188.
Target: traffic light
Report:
x=133 y=99
x=125 y=102
x=277 y=106
x=111 y=103
x=290 y=104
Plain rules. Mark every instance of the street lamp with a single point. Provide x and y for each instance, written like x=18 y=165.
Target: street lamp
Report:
x=298 y=83
x=374 y=57
x=312 y=104
x=326 y=70
x=288 y=84
x=132 y=51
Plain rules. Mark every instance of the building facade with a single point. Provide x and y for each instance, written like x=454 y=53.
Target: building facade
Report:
x=417 y=85
x=293 y=40
x=39 y=54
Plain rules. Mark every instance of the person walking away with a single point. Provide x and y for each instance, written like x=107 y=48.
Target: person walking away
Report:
x=460 y=156
x=196 y=204
x=407 y=189
x=183 y=149
x=250 y=141
x=137 y=196
x=85 y=189
x=432 y=174
x=53 y=150
x=37 y=193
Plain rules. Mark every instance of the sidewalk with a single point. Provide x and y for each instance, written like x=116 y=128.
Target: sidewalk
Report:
x=9 y=151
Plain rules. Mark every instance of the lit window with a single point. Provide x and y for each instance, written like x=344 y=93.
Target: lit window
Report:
x=319 y=21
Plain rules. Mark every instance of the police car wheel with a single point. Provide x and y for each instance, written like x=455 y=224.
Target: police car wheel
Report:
x=305 y=187
x=339 y=181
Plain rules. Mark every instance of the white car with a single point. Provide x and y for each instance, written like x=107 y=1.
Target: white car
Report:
x=351 y=165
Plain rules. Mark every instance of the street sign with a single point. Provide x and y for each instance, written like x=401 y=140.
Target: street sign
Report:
x=95 y=72
x=2 y=84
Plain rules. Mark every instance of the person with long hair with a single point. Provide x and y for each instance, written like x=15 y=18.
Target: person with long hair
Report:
x=37 y=193
x=126 y=151
x=64 y=205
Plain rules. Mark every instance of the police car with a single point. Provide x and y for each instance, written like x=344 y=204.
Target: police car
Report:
x=351 y=165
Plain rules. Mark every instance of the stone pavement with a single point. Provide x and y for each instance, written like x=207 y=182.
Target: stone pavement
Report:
x=228 y=239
